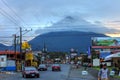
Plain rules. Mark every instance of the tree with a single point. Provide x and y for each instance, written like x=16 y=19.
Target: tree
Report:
x=54 y=55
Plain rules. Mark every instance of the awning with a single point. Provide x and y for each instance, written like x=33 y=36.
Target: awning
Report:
x=115 y=55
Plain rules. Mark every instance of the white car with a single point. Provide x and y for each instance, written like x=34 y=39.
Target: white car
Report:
x=42 y=67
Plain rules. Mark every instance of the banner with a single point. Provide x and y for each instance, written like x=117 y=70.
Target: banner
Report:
x=106 y=41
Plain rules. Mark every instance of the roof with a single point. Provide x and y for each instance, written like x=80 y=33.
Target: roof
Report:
x=103 y=47
x=8 y=52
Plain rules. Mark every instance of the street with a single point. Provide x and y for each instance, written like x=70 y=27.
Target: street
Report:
x=44 y=75
x=66 y=73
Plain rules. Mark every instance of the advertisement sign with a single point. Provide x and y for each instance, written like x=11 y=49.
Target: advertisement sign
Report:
x=28 y=56
x=11 y=63
x=96 y=62
x=25 y=45
x=3 y=61
x=106 y=41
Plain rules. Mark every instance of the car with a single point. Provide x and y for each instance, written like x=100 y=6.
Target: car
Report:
x=30 y=72
x=42 y=67
x=56 y=67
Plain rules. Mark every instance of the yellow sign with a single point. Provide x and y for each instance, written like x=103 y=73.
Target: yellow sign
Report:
x=25 y=45
x=34 y=64
x=28 y=56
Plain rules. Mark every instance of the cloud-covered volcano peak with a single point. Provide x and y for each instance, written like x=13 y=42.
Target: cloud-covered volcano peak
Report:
x=74 y=23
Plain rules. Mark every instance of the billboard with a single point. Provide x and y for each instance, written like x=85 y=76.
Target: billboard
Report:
x=3 y=60
x=96 y=62
x=28 y=56
x=106 y=41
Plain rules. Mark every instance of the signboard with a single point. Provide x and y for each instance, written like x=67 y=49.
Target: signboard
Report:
x=28 y=56
x=43 y=58
x=3 y=61
x=25 y=45
x=11 y=63
x=106 y=41
x=73 y=55
x=112 y=73
x=96 y=62
x=108 y=63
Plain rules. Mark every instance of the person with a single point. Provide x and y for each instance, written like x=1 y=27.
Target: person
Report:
x=103 y=73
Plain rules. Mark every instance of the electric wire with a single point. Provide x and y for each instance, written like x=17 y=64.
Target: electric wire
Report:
x=5 y=2
x=8 y=16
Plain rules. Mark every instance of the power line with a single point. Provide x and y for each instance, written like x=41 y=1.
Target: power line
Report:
x=5 y=2
x=8 y=16
x=6 y=37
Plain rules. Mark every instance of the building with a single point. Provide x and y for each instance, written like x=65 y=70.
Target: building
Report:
x=11 y=54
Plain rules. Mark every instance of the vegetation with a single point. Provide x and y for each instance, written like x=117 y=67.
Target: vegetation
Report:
x=54 y=55
x=94 y=54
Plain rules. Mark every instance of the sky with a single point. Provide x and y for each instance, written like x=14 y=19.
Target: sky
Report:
x=36 y=17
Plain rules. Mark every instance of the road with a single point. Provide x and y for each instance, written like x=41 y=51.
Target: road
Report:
x=44 y=75
x=66 y=73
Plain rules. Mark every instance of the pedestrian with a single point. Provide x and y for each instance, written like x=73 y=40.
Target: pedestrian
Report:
x=103 y=73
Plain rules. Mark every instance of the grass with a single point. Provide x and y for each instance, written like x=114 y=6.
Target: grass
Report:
x=117 y=76
x=96 y=67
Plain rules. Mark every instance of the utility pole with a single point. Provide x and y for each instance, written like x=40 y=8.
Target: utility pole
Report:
x=15 y=46
x=21 y=52
x=21 y=43
x=21 y=48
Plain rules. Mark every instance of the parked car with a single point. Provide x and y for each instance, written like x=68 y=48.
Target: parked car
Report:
x=42 y=67
x=56 y=67
x=30 y=72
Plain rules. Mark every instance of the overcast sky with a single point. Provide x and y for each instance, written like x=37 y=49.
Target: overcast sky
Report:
x=102 y=16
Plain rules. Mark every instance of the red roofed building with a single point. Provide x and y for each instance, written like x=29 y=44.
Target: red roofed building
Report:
x=10 y=54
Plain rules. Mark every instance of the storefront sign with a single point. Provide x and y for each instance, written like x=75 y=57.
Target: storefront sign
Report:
x=28 y=56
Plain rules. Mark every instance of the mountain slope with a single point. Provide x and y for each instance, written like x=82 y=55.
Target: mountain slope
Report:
x=3 y=47
x=64 y=41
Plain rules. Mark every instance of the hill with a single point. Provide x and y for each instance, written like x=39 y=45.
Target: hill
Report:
x=64 y=41
x=4 y=47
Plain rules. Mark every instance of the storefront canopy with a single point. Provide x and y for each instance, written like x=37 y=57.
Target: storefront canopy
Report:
x=115 y=55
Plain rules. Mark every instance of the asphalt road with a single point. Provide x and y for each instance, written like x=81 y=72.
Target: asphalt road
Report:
x=44 y=75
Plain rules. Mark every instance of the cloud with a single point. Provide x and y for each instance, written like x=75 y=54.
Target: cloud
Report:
x=75 y=23
x=85 y=15
x=44 y=10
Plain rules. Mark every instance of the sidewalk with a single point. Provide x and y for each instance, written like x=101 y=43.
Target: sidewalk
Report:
x=76 y=74
x=94 y=73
